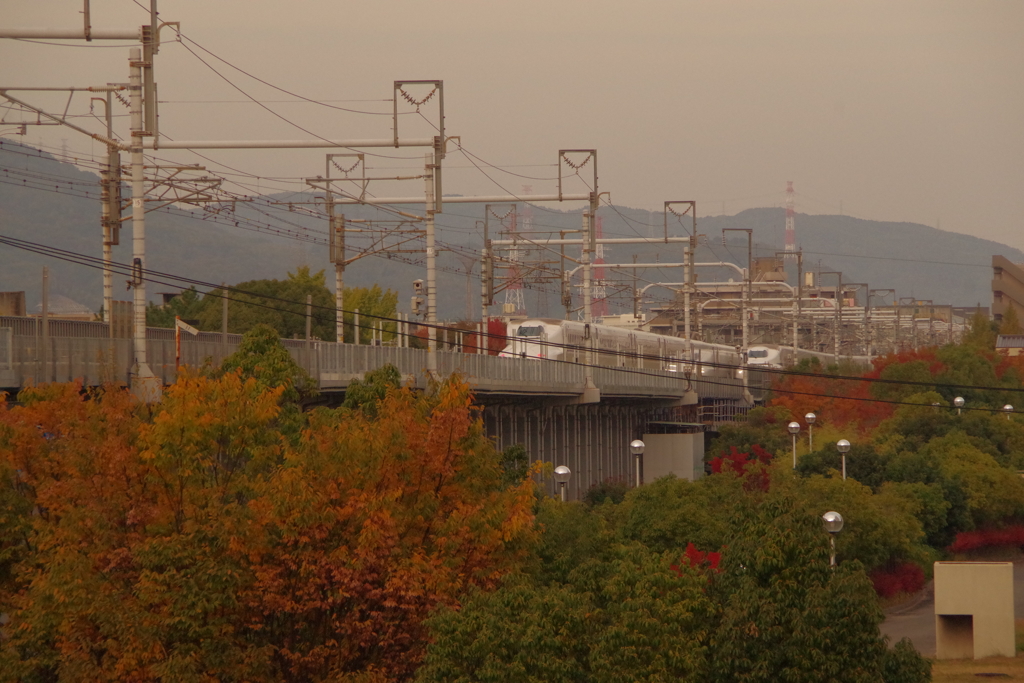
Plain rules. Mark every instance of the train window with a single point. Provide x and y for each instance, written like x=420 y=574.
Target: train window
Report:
x=530 y=331
x=757 y=353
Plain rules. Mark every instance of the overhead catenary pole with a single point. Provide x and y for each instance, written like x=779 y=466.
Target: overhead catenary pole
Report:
x=799 y=254
x=591 y=394
x=839 y=328
x=746 y=297
x=485 y=288
x=837 y=310
x=799 y=296
x=145 y=385
x=224 y=319
x=110 y=209
x=430 y=164
x=336 y=245
x=689 y=271
x=44 y=370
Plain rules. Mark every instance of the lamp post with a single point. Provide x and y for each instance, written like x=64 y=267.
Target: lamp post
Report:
x=636 y=447
x=810 y=418
x=843 y=446
x=562 y=474
x=1008 y=409
x=833 y=522
x=959 y=403
x=794 y=429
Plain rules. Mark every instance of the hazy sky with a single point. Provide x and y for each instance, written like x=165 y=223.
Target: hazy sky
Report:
x=907 y=111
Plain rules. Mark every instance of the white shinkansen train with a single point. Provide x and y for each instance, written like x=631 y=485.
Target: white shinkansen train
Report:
x=566 y=340
x=774 y=357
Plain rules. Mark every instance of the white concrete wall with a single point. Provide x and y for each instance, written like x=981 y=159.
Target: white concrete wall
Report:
x=678 y=454
x=983 y=591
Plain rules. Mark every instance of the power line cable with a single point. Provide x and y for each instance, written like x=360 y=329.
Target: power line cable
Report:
x=127 y=269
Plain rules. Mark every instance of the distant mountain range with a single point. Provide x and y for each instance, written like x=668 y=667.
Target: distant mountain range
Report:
x=47 y=201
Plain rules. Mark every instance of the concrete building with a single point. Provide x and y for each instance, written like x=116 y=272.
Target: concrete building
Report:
x=1007 y=287
x=974 y=610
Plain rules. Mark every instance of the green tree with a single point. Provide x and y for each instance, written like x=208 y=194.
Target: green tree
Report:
x=995 y=494
x=515 y=465
x=863 y=463
x=1010 y=323
x=188 y=306
x=671 y=513
x=917 y=370
x=786 y=615
x=367 y=393
x=596 y=611
x=765 y=427
x=375 y=307
x=262 y=357
x=980 y=335
x=281 y=304
x=881 y=527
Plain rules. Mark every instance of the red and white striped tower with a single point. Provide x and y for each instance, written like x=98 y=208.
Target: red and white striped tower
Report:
x=790 y=230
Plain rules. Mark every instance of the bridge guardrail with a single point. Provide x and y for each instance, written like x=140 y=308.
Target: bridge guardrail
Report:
x=85 y=350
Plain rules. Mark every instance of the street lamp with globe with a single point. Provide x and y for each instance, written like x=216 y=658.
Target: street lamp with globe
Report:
x=833 y=522
x=810 y=418
x=794 y=429
x=562 y=474
x=636 y=447
x=843 y=446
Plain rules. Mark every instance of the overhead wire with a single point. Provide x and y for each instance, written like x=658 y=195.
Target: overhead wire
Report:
x=162 y=278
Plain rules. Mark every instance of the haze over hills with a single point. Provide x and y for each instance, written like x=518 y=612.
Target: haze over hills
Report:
x=40 y=201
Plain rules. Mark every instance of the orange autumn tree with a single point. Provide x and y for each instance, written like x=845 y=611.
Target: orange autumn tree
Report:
x=190 y=541
x=843 y=401
x=840 y=399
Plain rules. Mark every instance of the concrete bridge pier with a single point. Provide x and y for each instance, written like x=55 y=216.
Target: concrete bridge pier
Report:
x=592 y=439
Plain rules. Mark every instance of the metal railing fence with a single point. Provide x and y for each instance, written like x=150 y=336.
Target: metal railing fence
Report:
x=84 y=350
